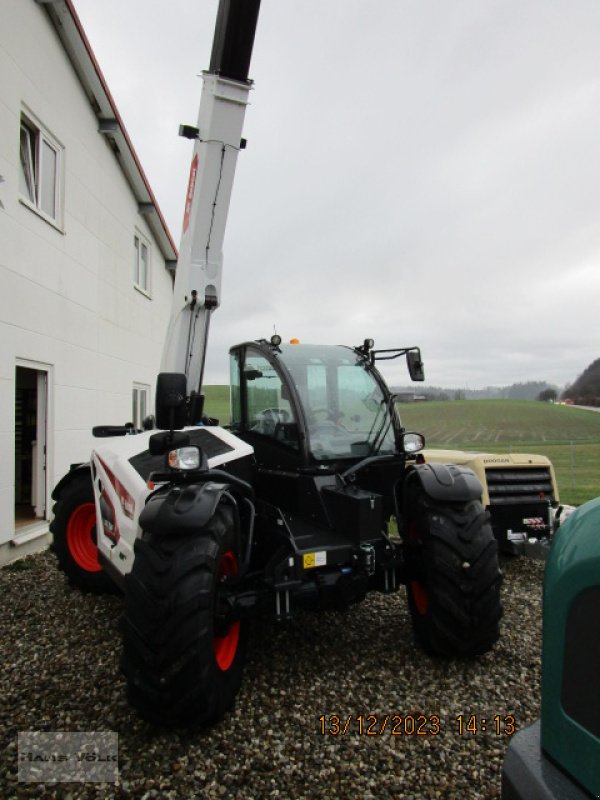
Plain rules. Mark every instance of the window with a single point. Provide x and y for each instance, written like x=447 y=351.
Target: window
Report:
x=41 y=170
x=140 y=398
x=347 y=414
x=268 y=407
x=141 y=263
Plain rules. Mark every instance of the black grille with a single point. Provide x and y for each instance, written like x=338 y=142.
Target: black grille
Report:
x=519 y=486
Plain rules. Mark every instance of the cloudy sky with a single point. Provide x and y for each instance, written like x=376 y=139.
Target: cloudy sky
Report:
x=418 y=171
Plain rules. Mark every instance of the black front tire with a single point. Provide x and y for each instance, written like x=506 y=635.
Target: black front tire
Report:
x=74 y=536
x=181 y=668
x=455 y=578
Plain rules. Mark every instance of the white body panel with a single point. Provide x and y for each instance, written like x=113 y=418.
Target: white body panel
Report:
x=220 y=120
x=115 y=477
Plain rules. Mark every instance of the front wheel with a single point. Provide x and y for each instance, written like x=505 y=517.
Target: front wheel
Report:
x=454 y=580
x=74 y=536
x=182 y=656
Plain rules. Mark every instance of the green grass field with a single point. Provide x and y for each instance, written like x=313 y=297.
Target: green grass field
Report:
x=216 y=403
x=570 y=437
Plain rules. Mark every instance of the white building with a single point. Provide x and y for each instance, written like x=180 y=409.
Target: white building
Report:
x=86 y=265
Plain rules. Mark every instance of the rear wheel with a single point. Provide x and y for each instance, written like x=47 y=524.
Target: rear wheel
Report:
x=74 y=536
x=454 y=582
x=182 y=655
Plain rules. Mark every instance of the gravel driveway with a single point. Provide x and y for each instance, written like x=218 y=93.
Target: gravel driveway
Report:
x=59 y=668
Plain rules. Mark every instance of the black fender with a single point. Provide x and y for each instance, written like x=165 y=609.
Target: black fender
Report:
x=447 y=482
x=182 y=510
x=74 y=472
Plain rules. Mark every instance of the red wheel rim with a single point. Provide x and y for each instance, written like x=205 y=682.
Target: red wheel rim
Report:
x=420 y=597
x=420 y=594
x=226 y=646
x=80 y=537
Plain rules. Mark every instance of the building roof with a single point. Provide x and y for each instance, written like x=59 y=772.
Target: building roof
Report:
x=70 y=31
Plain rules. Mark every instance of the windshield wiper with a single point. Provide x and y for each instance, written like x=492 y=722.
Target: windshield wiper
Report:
x=376 y=417
x=383 y=428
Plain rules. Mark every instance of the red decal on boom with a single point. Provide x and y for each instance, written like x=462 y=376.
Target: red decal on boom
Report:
x=189 y=198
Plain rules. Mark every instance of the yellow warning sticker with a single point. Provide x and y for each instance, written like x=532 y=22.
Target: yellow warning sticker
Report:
x=318 y=559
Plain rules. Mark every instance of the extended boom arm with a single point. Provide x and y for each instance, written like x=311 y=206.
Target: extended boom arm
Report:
x=217 y=143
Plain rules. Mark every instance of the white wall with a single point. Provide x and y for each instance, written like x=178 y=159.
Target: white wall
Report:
x=67 y=297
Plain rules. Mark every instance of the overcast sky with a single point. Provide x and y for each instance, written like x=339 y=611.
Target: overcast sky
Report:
x=418 y=171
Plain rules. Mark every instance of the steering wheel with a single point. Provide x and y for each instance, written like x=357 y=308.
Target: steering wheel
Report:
x=330 y=419
x=276 y=414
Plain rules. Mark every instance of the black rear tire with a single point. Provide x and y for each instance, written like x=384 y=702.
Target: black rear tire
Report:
x=454 y=586
x=181 y=669
x=74 y=536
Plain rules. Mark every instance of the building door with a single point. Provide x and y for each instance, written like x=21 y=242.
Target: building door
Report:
x=31 y=404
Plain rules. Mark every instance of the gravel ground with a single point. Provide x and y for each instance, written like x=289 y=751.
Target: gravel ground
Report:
x=59 y=671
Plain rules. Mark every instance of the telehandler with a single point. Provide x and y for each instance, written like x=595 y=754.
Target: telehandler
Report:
x=313 y=497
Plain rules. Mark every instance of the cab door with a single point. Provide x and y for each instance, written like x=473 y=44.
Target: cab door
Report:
x=263 y=412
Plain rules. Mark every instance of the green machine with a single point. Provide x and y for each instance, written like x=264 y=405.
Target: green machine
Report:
x=559 y=755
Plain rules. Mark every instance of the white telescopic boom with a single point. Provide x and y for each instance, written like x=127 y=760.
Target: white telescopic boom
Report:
x=218 y=140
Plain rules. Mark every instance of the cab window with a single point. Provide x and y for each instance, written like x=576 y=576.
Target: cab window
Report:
x=268 y=408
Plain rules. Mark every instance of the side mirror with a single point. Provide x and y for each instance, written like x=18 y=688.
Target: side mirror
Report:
x=171 y=412
x=415 y=365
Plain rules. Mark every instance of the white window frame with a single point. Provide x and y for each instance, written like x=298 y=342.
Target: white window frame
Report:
x=142 y=278
x=140 y=398
x=35 y=141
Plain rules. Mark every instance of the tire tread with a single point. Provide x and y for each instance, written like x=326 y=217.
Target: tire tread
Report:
x=459 y=556
x=168 y=657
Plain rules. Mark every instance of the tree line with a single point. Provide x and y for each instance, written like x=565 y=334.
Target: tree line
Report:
x=530 y=390
x=585 y=390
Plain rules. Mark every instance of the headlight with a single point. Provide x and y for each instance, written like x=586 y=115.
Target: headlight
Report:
x=185 y=458
x=413 y=442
